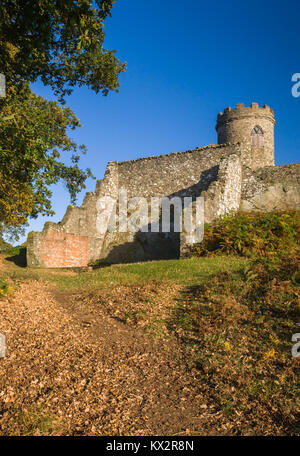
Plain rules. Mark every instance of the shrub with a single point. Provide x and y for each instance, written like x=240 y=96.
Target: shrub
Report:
x=15 y=251
x=251 y=234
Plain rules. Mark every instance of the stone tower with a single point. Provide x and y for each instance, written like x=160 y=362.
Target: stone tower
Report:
x=253 y=127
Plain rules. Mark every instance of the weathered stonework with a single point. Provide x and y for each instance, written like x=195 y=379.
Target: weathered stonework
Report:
x=231 y=176
x=223 y=196
x=271 y=188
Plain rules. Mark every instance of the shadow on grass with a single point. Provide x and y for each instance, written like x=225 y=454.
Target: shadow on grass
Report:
x=18 y=256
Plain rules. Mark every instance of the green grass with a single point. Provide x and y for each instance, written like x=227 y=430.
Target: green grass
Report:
x=33 y=421
x=183 y=272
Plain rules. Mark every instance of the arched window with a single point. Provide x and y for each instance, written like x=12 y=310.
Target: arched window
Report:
x=257 y=137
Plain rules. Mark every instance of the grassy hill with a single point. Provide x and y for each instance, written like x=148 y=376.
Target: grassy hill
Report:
x=224 y=321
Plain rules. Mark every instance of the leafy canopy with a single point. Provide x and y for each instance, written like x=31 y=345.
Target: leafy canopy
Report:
x=60 y=41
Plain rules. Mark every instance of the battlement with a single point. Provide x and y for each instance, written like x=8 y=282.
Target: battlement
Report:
x=242 y=111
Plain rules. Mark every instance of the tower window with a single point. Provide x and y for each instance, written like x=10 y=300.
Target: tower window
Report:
x=257 y=137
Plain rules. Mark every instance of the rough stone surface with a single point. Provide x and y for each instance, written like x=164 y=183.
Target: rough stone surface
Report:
x=230 y=176
x=271 y=188
x=223 y=196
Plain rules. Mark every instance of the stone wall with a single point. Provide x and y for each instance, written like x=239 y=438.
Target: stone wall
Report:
x=76 y=236
x=184 y=173
x=239 y=188
x=222 y=196
x=180 y=174
x=57 y=249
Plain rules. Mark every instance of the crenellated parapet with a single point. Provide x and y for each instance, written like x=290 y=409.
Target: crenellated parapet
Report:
x=241 y=111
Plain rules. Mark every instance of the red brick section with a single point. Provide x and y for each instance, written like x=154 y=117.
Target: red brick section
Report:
x=63 y=250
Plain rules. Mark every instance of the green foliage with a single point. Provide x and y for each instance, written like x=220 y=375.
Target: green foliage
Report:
x=3 y=245
x=10 y=233
x=60 y=42
x=3 y=287
x=33 y=132
x=15 y=251
x=251 y=234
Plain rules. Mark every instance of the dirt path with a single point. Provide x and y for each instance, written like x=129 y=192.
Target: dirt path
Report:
x=73 y=367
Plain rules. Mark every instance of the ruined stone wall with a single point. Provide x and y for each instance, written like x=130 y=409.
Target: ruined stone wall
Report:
x=179 y=174
x=75 y=240
x=240 y=188
x=223 y=196
x=57 y=249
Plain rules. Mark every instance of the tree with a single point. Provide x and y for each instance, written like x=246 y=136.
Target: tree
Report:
x=60 y=41
x=33 y=132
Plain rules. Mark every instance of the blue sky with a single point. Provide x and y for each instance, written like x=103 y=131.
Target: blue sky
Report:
x=187 y=60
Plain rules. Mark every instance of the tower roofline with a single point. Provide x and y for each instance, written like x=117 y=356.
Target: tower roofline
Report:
x=242 y=111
